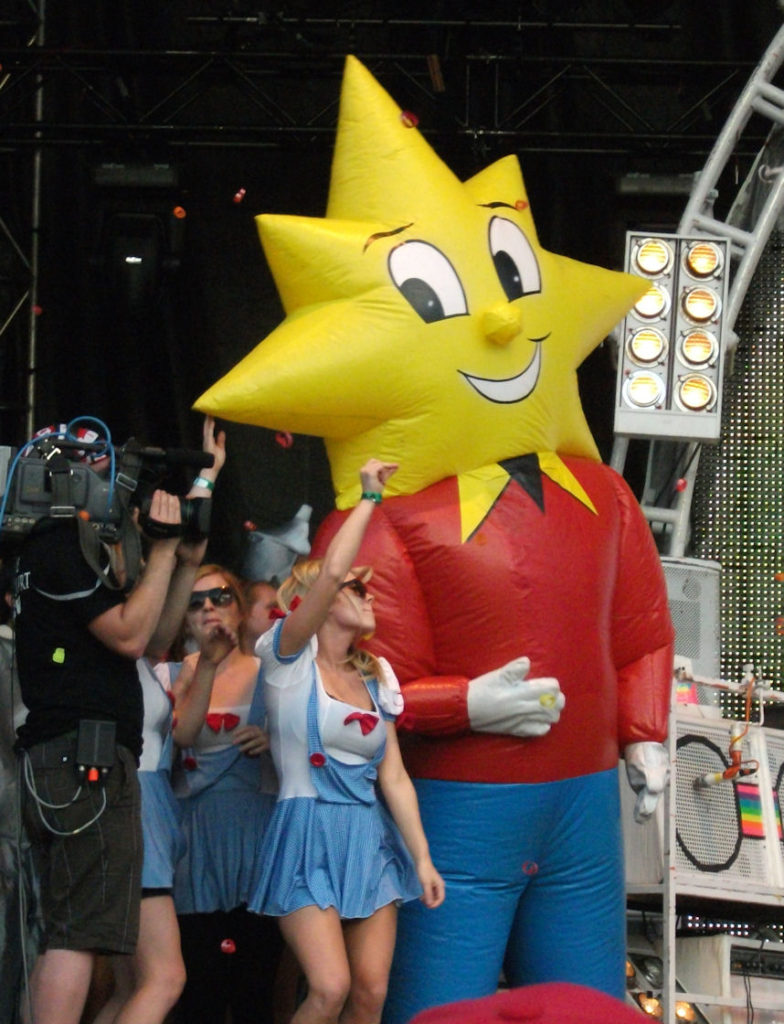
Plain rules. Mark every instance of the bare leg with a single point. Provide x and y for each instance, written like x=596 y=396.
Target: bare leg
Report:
x=59 y=985
x=370 y=943
x=157 y=964
x=315 y=936
x=122 y=973
x=287 y=987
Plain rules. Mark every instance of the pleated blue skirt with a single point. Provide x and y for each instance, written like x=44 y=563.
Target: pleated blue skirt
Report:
x=164 y=841
x=344 y=855
x=224 y=829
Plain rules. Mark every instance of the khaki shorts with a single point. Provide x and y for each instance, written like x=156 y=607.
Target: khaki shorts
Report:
x=90 y=880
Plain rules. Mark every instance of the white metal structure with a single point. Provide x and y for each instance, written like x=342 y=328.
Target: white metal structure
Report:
x=763 y=98
x=698 y=846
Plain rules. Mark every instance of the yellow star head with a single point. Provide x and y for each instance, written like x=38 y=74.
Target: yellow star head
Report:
x=424 y=322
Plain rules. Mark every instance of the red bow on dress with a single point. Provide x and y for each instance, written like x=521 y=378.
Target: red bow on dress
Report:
x=278 y=613
x=215 y=720
x=367 y=722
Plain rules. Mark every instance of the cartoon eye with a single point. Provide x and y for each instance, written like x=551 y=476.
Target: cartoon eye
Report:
x=515 y=262
x=427 y=281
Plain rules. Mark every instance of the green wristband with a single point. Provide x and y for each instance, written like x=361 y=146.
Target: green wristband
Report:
x=373 y=496
x=202 y=481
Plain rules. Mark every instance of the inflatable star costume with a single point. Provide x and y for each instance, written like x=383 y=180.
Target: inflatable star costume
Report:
x=426 y=325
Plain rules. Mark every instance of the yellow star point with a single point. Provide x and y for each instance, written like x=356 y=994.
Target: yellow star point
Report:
x=386 y=349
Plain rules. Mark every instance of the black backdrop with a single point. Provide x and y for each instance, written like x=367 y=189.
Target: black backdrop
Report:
x=138 y=365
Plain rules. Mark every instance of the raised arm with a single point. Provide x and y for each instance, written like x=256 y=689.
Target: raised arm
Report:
x=127 y=627
x=339 y=556
x=190 y=554
x=193 y=688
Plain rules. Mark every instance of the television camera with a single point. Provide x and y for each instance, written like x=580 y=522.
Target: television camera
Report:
x=49 y=479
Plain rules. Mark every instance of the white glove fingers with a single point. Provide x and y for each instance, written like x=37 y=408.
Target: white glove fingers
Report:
x=514 y=671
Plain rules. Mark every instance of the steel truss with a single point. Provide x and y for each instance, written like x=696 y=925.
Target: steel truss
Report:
x=224 y=76
x=20 y=173
x=481 y=86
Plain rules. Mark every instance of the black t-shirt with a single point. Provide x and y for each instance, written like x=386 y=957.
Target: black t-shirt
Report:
x=66 y=673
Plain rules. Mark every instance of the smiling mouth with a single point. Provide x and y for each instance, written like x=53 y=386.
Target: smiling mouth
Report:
x=511 y=389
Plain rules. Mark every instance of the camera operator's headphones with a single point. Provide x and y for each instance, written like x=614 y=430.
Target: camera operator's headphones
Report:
x=97 y=543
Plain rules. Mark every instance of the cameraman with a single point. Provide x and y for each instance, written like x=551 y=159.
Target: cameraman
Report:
x=77 y=642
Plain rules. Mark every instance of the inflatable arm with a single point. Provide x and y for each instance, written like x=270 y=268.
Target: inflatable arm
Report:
x=643 y=637
x=502 y=700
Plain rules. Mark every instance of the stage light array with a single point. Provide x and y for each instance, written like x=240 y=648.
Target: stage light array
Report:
x=670 y=362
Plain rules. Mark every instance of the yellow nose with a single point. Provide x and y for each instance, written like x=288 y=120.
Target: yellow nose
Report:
x=501 y=323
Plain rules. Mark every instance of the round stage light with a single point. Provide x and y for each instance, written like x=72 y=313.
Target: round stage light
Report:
x=651 y=1005
x=685 y=1012
x=646 y=346
x=703 y=259
x=652 y=257
x=700 y=304
x=695 y=393
x=698 y=348
x=631 y=974
x=654 y=304
x=643 y=389
x=653 y=970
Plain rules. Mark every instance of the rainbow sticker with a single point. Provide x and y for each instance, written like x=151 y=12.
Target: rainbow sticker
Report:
x=686 y=692
x=750 y=810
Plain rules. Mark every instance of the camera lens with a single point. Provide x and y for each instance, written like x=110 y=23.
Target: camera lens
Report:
x=195 y=515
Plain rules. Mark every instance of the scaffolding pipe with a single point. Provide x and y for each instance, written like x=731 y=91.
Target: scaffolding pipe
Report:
x=35 y=225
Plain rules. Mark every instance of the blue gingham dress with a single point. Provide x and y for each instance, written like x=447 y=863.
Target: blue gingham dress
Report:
x=330 y=842
x=227 y=799
x=164 y=841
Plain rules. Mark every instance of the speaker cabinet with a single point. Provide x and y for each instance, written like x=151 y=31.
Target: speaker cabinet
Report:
x=727 y=835
x=774 y=747
x=693 y=596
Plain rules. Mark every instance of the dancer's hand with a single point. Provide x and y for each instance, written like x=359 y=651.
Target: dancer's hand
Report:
x=433 y=885
x=374 y=475
x=219 y=642
x=251 y=739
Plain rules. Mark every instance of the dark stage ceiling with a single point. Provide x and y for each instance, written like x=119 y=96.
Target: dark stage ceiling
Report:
x=112 y=113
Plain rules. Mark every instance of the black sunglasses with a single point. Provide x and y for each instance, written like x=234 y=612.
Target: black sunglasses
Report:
x=357 y=586
x=220 y=597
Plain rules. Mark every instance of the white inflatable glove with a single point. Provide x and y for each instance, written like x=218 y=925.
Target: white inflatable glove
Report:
x=648 y=770
x=504 y=701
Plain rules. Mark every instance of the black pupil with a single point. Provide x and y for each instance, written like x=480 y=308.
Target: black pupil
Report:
x=508 y=275
x=423 y=299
